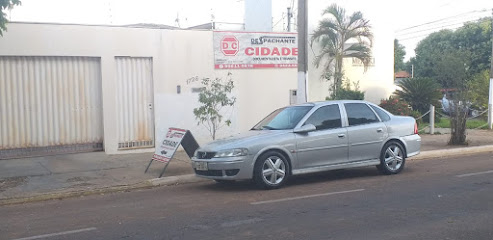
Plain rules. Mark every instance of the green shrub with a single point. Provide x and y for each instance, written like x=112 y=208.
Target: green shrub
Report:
x=348 y=94
x=344 y=92
x=396 y=106
x=419 y=93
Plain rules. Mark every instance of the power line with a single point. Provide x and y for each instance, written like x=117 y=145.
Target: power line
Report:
x=439 y=20
x=457 y=20
x=442 y=26
x=279 y=20
x=420 y=36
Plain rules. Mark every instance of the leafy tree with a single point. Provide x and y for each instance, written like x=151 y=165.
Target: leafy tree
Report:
x=457 y=60
x=418 y=92
x=341 y=36
x=429 y=51
x=479 y=89
x=454 y=69
x=6 y=5
x=399 y=54
x=473 y=40
x=213 y=97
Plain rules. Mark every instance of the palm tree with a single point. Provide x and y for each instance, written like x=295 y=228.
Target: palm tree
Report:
x=340 y=37
x=419 y=92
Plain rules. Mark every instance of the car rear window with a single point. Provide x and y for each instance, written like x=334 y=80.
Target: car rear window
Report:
x=359 y=113
x=383 y=115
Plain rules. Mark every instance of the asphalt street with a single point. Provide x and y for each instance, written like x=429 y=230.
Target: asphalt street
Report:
x=442 y=198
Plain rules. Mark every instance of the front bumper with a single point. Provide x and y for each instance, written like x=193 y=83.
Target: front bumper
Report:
x=413 y=144
x=232 y=168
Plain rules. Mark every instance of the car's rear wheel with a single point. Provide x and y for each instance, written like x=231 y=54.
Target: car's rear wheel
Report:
x=392 y=158
x=271 y=170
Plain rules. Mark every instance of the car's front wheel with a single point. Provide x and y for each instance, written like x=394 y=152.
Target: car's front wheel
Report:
x=392 y=158
x=271 y=170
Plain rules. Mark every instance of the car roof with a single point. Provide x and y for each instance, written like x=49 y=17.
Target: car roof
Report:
x=321 y=103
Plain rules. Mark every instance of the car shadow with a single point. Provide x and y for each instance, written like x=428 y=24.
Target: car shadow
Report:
x=326 y=176
x=333 y=175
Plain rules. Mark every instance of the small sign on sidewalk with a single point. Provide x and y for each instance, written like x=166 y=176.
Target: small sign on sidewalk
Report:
x=167 y=148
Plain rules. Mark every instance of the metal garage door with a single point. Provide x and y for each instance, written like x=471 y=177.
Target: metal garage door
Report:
x=50 y=105
x=135 y=102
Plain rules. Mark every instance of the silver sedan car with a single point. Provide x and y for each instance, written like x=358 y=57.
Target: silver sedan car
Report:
x=311 y=137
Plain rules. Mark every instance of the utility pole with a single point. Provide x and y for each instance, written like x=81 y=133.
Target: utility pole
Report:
x=490 y=98
x=290 y=15
x=302 y=51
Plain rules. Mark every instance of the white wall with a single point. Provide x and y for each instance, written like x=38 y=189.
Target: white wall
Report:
x=177 y=56
x=377 y=82
x=258 y=91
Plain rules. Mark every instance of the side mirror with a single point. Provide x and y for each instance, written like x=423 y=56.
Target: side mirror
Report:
x=305 y=129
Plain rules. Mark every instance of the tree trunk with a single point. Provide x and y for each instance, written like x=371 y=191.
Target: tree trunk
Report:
x=213 y=131
x=338 y=74
x=458 y=126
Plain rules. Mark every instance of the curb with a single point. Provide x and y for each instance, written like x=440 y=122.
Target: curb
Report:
x=175 y=180
x=191 y=178
x=165 y=181
x=71 y=194
x=453 y=152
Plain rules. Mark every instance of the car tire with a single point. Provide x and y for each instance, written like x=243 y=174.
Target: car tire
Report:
x=392 y=158
x=271 y=170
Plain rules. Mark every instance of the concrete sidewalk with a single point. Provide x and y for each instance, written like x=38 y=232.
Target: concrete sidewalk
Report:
x=52 y=177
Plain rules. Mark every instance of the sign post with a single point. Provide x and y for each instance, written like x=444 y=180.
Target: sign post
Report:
x=167 y=148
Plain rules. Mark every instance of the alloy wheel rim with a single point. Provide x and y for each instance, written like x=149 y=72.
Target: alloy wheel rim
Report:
x=273 y=170
x=393 y=157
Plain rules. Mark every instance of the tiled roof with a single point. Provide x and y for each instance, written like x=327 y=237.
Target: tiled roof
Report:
x=401 y=74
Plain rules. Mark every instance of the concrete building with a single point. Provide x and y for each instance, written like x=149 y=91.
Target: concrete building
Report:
x=66 y=88
x=69 y=88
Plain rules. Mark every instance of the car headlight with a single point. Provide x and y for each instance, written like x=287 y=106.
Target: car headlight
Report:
x=236 y=152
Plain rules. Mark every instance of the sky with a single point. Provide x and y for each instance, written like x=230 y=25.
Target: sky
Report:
x=411 y=21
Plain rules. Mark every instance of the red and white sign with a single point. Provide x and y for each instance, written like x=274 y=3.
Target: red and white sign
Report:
x=230 y=46
x=237 y=50
x=169 y=145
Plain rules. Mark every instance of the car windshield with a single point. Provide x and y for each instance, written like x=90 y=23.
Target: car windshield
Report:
x=283 y=118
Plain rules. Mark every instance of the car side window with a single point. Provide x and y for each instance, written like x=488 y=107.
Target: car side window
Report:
x=326 y=117
x=359 y=113
x=383 y=115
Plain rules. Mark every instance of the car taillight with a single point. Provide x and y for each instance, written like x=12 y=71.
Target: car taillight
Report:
x=415 y=128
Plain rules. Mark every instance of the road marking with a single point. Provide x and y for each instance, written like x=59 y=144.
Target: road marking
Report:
x=474 y=174
x=307 y=196
x=58 y=234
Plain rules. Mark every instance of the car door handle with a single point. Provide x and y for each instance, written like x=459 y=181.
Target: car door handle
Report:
x=341 y=135
x=379 y=130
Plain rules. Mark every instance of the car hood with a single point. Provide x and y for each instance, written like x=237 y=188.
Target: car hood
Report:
x=242 y=140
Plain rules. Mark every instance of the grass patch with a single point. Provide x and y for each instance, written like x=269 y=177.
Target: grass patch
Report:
x=445 y=123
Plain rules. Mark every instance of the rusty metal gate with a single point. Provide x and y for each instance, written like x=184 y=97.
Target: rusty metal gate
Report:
x=135 y=102
x=50 y=105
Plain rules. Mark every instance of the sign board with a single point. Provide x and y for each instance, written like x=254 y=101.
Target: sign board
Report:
x=167 y=148
x=240 y=50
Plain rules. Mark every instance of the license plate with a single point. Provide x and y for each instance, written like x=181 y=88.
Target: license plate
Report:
x=201 y=166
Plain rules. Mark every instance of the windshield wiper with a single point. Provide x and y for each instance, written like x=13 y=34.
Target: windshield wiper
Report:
x=268 y=128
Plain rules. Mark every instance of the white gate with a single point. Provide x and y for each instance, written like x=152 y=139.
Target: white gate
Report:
x=135 y=102
x=49 y=105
